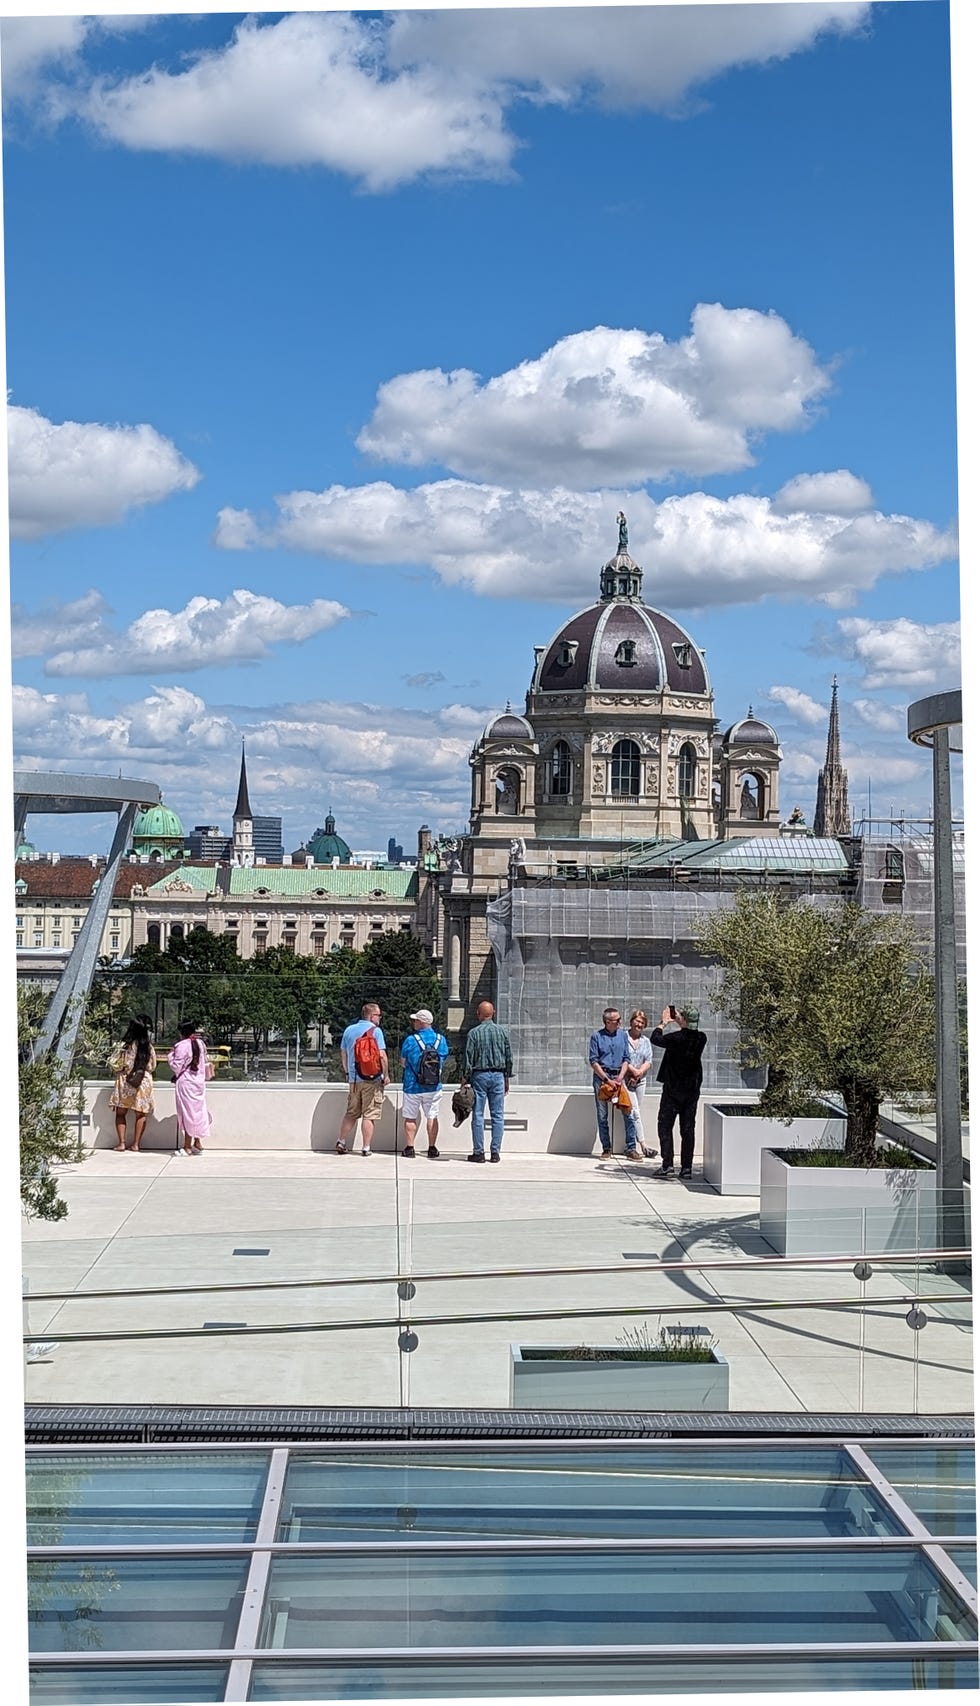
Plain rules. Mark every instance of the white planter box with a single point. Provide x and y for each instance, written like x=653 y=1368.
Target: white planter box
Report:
x=541 y=1383
x=834 y=1211
x=733 y=1143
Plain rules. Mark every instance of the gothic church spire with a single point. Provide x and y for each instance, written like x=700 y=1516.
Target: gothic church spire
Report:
x=832 y=816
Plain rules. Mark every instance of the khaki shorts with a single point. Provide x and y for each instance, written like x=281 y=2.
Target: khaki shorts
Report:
x=365 y=1099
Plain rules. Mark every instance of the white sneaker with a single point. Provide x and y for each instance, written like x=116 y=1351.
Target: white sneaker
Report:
x=365 y=1151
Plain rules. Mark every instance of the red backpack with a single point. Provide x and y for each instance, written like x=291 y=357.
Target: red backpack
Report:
x=367 y=1055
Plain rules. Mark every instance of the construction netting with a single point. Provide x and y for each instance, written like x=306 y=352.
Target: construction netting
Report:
x=564 y=951
x=895 y=876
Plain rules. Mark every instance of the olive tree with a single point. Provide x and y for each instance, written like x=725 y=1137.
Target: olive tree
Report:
x=46 y=1092
x=829 y=999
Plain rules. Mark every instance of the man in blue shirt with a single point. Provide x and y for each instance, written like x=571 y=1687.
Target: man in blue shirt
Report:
x=366 y=1088
x=609 y=1059
x=419 y=1097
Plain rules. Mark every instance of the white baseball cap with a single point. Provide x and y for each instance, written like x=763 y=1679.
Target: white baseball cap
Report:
x=423 y=1016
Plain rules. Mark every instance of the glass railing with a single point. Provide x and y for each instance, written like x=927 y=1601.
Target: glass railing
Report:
x=497 y=1313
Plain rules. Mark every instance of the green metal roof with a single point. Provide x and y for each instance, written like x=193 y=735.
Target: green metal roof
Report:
x=158 y=823
x=295 y=881
x=333 y=880
x=203 y=877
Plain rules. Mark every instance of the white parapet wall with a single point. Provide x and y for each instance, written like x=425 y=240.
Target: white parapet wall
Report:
x=307 y=1117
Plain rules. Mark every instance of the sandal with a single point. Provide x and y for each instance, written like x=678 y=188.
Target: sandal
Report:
x=340 y=1146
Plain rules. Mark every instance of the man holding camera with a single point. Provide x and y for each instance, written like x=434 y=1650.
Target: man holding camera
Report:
x=680 y=1074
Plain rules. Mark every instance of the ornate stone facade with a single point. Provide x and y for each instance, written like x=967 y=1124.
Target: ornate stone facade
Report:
x=617 y=743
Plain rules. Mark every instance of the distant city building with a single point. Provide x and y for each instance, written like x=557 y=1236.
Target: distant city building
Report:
x=267 y=839
x=206 y=842
x=311 y=909
x=396 y=851
x=52 y=895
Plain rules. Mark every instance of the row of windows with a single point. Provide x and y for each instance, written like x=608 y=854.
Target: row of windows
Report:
x=624 y=773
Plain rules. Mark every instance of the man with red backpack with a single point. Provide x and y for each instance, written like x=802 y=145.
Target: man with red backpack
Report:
x=365 y=1058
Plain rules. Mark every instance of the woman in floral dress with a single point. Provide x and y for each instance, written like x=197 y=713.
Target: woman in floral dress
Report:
x=133 y=1061
x=191 y=1069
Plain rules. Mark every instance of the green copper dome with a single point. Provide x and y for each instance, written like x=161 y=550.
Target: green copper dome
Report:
x=158 y=823
x=326 y=845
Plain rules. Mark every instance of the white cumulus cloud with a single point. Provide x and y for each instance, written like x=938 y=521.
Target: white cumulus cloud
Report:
x=643 y=56
x=800 y=705
x=839 y=493
x=900 y=653
x=83 y=619
x=884 y=719
x=386 y=764
x=386 y=99
x=696 y=550
x=608 y=406
x=312 y=89
x=208 y=632
x=83 y=474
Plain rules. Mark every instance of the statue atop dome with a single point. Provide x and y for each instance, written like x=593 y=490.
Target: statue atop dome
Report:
x=621 y=577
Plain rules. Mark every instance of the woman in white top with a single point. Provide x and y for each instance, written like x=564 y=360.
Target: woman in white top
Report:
x=640 y=1061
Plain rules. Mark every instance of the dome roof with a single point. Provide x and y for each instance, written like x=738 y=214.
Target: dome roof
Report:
x=751 y=731
x=508 y=726
x=621 y=646
x=158 y=823
x=327 y=845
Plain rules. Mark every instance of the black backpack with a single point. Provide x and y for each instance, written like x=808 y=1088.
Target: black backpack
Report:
x=428 y=1068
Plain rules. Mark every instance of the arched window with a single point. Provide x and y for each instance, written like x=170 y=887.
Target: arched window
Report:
x=508 y=790
x=687 y=772
x=626 y=653
x=625 y=770
x=560 y=772
x=153 y=935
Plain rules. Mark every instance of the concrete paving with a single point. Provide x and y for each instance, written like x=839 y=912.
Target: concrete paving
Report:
x=154 y=1220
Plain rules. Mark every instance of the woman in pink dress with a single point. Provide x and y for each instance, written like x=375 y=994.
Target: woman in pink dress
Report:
x=191 y=1069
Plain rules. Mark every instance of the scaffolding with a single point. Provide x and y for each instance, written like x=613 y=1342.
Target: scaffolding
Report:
x=566 y=947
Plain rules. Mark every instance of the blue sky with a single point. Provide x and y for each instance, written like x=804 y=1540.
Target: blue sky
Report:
x=377 y=319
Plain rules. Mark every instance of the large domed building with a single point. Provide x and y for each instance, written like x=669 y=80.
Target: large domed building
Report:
x=617 y=744
x=618 y=737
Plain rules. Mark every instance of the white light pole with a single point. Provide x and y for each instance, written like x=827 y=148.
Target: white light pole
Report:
x=936 y=722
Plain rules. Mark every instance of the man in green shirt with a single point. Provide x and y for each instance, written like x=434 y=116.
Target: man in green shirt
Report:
x=487 y=1066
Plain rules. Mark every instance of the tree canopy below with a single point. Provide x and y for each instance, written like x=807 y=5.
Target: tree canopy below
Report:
x=829 y=999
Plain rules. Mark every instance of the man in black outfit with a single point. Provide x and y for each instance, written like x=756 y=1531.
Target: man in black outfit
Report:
x=680 y=1075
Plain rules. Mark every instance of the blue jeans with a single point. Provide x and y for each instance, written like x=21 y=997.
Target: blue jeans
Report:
x=488 y=1087
x=602 y=1120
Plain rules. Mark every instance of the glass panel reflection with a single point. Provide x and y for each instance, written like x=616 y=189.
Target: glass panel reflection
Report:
x=143 y=1498
x=604 y=1677
x=633 y=1489
x=937 y=1482
x=133 y=1604
x=419 y=1600
x=965 y=1559
x=125 y=1685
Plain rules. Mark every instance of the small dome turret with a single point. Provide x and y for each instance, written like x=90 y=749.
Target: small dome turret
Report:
x=750 y=731
x=508 y=726
x=326 y=845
